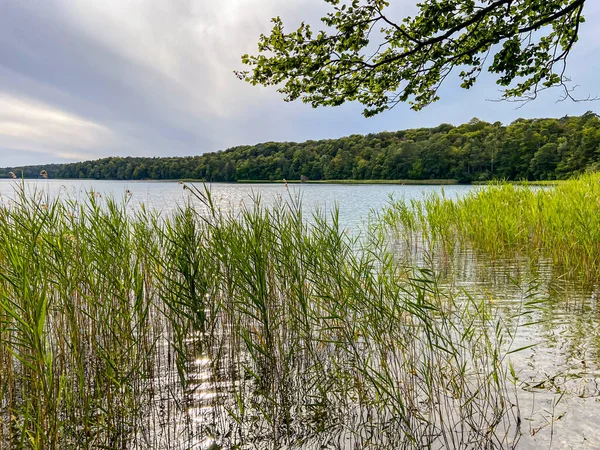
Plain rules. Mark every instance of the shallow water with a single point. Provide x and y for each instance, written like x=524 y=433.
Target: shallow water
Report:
x=558 y=377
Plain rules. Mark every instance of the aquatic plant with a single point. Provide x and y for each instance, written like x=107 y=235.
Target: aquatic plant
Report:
x=252 y=328
x=561 y=223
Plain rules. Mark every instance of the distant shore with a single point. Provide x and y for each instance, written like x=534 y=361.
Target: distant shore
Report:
x=431 y=182
x=417 y=182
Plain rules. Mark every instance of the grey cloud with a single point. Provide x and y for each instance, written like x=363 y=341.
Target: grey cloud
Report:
x=156 y=79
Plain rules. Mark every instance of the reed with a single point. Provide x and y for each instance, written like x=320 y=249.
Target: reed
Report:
x=560 y=223
x=253 y=328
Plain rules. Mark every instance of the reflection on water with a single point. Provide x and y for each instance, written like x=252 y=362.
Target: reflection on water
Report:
x=558 y=371
x=557 y=334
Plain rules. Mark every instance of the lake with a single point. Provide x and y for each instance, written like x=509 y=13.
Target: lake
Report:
x=354 y=201
x=558 y=374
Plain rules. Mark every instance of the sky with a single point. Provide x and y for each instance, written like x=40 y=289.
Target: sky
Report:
x=87 y=79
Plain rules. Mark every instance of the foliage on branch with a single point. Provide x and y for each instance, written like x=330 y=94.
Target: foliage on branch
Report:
x=364 y=55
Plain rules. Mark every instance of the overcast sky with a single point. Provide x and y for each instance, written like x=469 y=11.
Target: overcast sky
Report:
x=85 y=79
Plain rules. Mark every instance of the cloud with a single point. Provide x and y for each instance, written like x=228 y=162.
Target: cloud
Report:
x=29 y=124
x=86 y=79
x=158 y=74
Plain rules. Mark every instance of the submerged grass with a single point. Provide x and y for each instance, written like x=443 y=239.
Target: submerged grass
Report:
x=561 y=223
x=255 y=329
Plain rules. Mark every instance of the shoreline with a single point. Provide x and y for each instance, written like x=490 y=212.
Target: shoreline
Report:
x=188 y=180
x=430 y=182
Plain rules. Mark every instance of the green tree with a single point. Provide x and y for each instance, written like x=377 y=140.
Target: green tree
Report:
x=543 y=163
x=364 y=55
x=526 y=149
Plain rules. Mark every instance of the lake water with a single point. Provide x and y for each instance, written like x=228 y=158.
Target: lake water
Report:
x=558 y=378
x=559 y=375
x=354 y=201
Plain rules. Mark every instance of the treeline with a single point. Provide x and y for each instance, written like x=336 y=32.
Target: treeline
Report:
x=527 y=149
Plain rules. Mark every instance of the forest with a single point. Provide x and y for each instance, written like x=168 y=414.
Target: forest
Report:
x=526 y=149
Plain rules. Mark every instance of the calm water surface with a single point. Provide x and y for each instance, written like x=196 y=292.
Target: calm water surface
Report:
x=558 y=377
x=354 y=201
x=558 y=381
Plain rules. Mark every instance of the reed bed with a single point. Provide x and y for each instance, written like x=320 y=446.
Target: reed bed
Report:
x=215 y=329
x=560 y=223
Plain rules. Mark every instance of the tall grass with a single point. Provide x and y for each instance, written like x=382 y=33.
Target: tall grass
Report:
x=76 y=328
x=561 y=223
x=253 y=329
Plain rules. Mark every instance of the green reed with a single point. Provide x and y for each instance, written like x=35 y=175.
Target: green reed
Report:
x=113 y=324
x=561 y=223
x=75 y=322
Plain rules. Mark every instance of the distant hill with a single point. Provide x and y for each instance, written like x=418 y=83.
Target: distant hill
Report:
x=531 y=149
